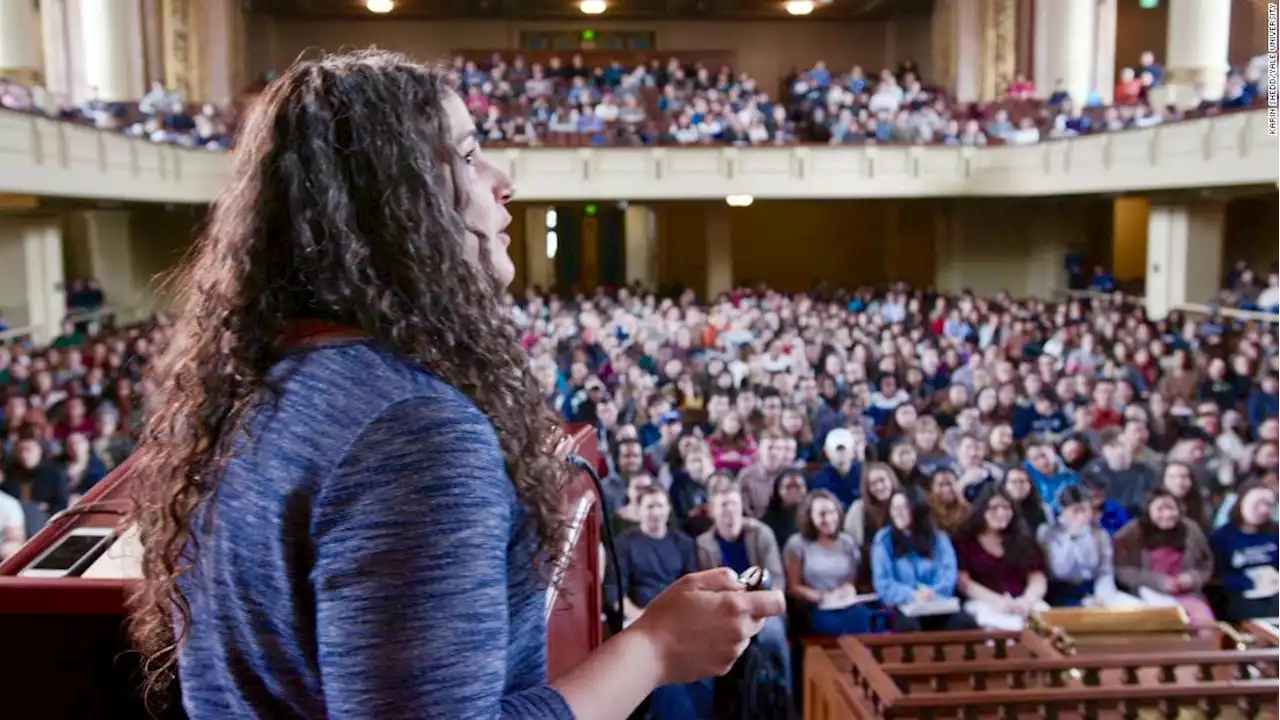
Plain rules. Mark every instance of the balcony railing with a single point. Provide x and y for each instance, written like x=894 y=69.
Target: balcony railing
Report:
x=39 y=156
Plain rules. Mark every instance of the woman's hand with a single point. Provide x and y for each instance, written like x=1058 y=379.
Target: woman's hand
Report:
x=701 y=624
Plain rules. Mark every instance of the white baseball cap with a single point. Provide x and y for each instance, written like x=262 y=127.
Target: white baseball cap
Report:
x=840 y=437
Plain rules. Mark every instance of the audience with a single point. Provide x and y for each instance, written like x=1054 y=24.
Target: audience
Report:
x=967 y=460
x=68 y=414
x=1165 y=558
x=685 y=103
x=914 y=569
x=1001 y=567
x=1079 y=557
x=1246 y=555
x=822 y=568
x=738 y=543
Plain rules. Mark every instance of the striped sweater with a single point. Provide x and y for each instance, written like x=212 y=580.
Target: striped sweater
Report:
x=365 y=556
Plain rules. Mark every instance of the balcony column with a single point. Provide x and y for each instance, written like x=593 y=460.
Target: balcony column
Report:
x=19 y=42
x=1198 y=47
x=539 y=254
x=1184 y=255
x=719 y=236
x=111 y=35
x=31 y=280
x=1104 y=70
x=641 y=246
x=999 y=46
x=1068 y=30
x=957 y=46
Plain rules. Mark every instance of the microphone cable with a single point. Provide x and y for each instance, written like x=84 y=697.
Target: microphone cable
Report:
x=613 y=618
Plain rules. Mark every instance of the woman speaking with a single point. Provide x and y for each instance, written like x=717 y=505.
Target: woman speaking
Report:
x=349 y=494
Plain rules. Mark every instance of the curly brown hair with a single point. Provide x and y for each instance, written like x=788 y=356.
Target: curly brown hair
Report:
x=341 y=207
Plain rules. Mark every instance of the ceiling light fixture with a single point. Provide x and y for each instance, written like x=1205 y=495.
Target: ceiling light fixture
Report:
x=592 y=7
x=380 y=6
x=800 y=7
x=739 y=200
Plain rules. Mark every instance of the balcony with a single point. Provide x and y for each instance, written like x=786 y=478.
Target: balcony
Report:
x=46 y=157
x=39 y=156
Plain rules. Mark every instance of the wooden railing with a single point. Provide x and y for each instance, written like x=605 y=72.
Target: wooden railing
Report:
x=98 y=316
x=1198 y=309
x=1010 y=675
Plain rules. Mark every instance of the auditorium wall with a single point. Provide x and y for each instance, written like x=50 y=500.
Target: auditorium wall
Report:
x=1251 y=232
x=1129 y=237
x=13 y=273
x=987 y=246
x=767 y=50
x=1018 y=245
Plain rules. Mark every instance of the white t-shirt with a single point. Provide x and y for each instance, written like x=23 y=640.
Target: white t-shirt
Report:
x=11 y=514
x=1269 y=298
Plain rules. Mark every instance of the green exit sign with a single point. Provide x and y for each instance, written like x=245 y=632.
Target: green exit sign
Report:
x=588 y=35
x=1148 y=4
x=591 y=210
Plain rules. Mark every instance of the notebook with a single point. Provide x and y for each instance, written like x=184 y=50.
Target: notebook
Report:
x=842 y=600
x=937 y=606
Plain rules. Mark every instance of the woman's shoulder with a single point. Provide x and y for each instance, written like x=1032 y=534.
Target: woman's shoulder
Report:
x=1131 y=531
x=882 y=536
x=796 y=544
x=342 y=393
x=847 y=543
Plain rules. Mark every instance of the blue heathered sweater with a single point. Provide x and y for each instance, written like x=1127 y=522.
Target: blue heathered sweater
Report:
x=366 y=558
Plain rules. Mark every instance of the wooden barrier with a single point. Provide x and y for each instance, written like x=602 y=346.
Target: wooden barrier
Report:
x=1197 y=309
x=1010 y=675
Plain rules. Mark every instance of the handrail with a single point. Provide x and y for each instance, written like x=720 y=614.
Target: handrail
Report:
x=945 y=637
x=98 y=313
x=1189 y=308
x=1079 y=662
x=1102 y=693
x=18 y=333
x=77 y=316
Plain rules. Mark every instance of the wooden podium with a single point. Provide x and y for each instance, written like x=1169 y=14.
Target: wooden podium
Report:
x=72 y=648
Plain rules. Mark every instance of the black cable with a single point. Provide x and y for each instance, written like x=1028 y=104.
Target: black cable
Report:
x=613 y=618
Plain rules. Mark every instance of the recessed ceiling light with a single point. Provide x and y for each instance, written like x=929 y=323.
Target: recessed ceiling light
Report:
x=380 y=6
x=739 y=200
x=800 y=7
x=592 y=7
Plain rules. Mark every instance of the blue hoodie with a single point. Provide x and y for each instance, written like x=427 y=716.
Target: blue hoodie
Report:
x=1235 y=552
x=847 y=487
x=1051 y=486
x=1262 y=406
x=896 y=579
x=1027 y=420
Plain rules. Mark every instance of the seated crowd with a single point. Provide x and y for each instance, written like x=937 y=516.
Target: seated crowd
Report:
x=160 y=116
x=68 y=415
x=682 y=103
x=902 y=460
x=685 y=103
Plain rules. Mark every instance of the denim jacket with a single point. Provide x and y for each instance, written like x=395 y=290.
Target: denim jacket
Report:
x=896 y=579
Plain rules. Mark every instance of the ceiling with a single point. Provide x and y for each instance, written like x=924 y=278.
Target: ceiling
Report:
x=568 y=9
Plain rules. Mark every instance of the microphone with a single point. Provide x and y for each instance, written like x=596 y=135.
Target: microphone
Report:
x=614 y=618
